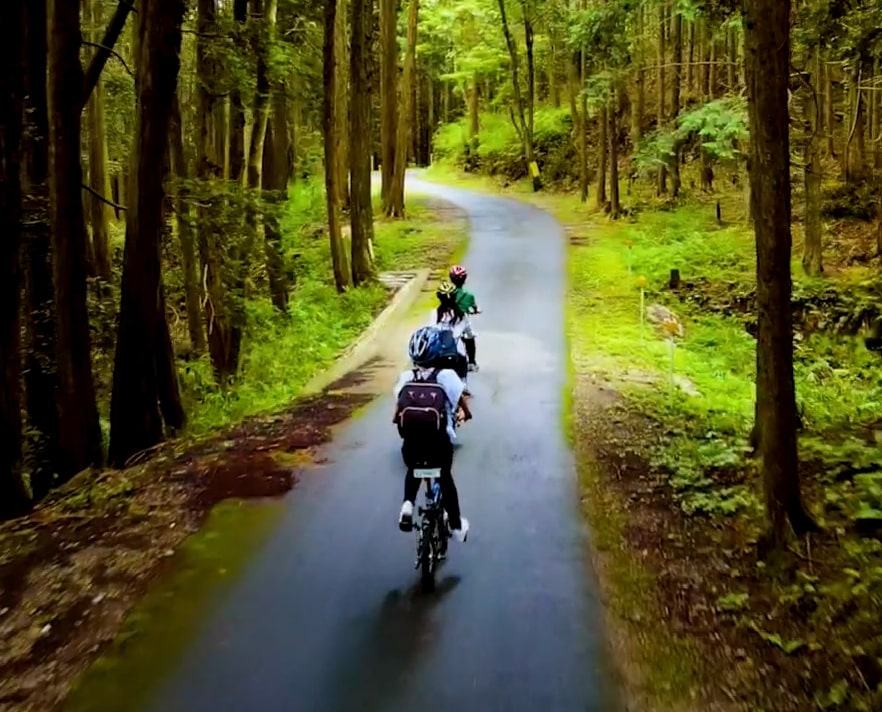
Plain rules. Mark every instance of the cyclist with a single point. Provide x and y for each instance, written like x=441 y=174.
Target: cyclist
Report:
x=428 y=402
x=466 y=303
x=448 y=316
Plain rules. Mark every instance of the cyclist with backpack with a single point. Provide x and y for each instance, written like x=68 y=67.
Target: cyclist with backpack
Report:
x=450 y=349
x=465 y=303
x=429 y=400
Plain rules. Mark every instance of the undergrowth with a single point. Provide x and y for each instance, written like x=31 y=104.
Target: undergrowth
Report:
x=282 y=353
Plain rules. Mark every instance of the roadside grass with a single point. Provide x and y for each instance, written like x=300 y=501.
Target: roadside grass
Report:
x=282 y=353
x=818 y=615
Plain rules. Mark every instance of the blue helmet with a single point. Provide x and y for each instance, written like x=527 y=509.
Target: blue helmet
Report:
x=421 y=344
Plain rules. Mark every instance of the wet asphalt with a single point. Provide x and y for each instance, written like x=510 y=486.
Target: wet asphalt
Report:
x=329 y=616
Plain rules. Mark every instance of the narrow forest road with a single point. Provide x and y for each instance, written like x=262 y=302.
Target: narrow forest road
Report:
x=326 y=617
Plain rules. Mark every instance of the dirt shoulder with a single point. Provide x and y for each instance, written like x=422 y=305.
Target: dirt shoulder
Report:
x=71 y=571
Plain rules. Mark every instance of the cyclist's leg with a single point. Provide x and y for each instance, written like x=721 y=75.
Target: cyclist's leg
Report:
x=411 y=483
x=450 y=497
x=471 y=350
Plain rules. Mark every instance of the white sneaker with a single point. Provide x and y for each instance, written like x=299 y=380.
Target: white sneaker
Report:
x=462 y=533
x=474 y=368
x=405 y=519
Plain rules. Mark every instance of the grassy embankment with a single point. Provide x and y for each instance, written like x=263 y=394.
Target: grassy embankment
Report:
x=281 y=355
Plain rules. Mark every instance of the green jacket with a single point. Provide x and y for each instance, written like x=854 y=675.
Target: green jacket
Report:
x=465 y=300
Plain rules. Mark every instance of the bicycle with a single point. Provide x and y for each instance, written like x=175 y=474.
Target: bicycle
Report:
x=432 y=532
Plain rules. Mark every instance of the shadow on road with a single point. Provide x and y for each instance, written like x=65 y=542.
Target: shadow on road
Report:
x=387 y=650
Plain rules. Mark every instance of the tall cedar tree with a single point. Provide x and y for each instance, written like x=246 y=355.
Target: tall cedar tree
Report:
x=767 y=72
x=224 y=334
x=144 y=373
x=237 y=104
x=660 y=78
x=812 y=256
x=388 y=94
x=360 y=132
x=265 y=11
x=41 y=381
x=13 y=493
x=189 y=267
x=79 y=435
x=99 y=176
x=395 y=197
x=523 y=109
x=676 y=80
x=339 y=258
x=277 y=167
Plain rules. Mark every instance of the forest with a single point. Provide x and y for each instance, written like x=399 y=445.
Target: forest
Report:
x=200 y=201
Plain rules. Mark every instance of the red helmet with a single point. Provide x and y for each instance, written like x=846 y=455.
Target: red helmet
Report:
x=458 y=275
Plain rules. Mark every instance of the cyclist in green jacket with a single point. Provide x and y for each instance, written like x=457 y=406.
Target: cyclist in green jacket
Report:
x=467 y=304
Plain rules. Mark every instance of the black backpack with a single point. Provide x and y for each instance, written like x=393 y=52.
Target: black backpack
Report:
x=422 y=408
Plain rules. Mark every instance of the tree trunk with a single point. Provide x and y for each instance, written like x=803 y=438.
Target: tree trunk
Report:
x=79 y=434
x=660 y=113
x=99 y=177
x=677 y=46
x=523 y=124
x=602 y=144
x=339 y=258
x=531 y=93
x=396 y=193
x=277 y=160
x=144 y=369
x=264 y=39
x=871 y=100
x=107 y=41
x=224 y=334
x=829 y=114
x=553 y=87
x=430 y=117
x=362 y=215
x=14 y=497
x=389 y=94
x=855 y=164
x=474 y=113
x=638 y=106
x=767 y=71
x=690 y=64
x=613 y=117
x=876 y=126
x=341 y=44
x=812 y=262
x=704 y=57
x=39 y=311
x=237 y=104
x=732 y=67
x=192 y=285
x=713 y=78
x=580 y=115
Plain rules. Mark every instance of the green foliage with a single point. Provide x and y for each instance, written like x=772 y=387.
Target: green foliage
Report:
x=498 y=150
x=281 y=354
x=719 y=128
x=733 y=602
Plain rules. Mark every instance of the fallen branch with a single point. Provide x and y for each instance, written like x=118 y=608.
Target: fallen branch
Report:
x=100 y=197
x=111 y=35
x=114 y=53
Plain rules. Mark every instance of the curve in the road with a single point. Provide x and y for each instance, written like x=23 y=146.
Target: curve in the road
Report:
x=327 y=616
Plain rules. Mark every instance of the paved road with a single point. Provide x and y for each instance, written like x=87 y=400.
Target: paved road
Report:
x=327 y=617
